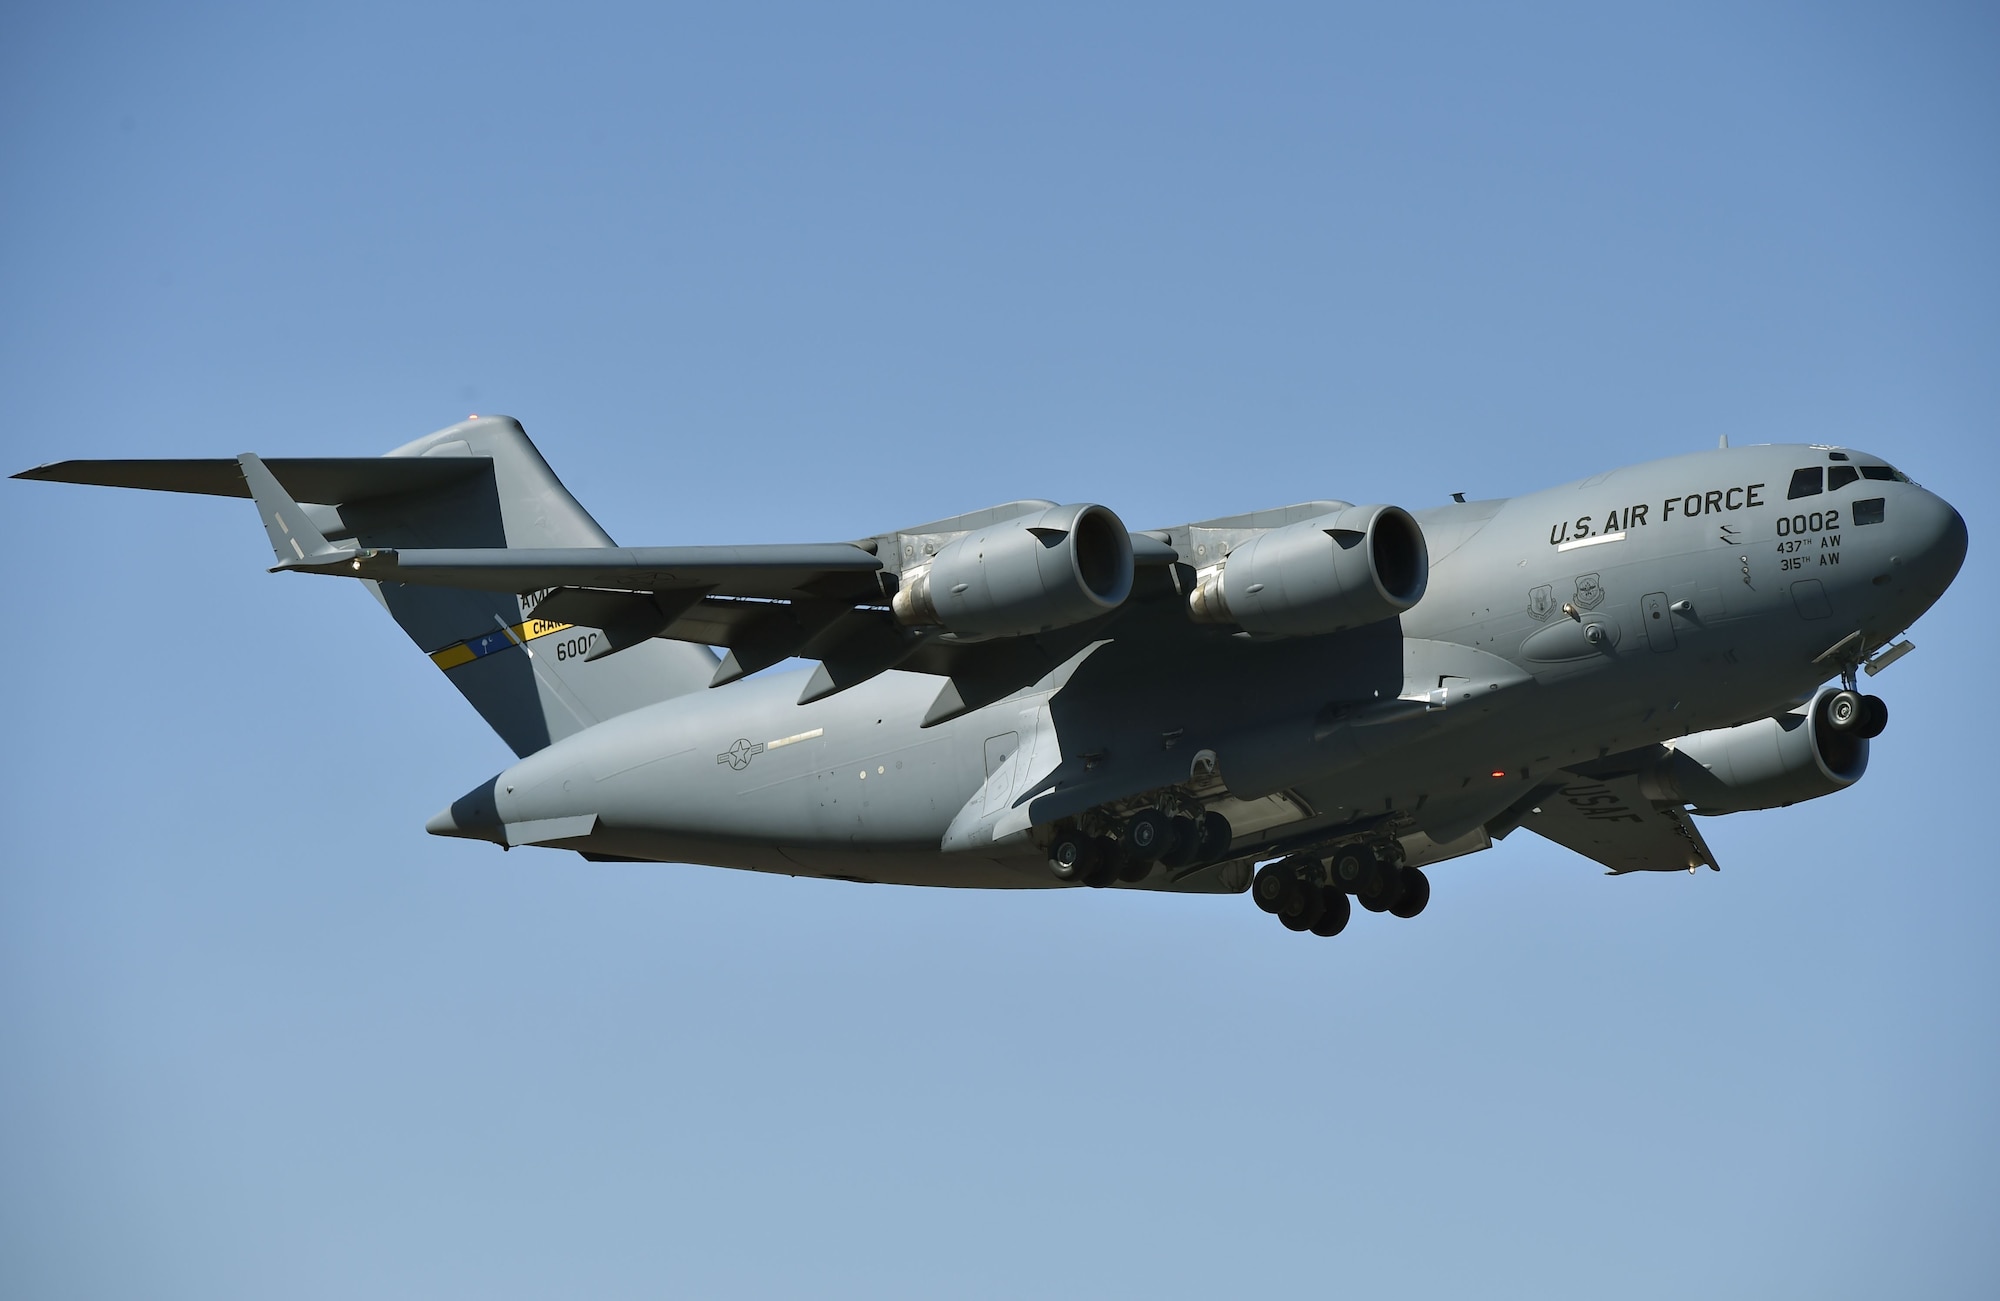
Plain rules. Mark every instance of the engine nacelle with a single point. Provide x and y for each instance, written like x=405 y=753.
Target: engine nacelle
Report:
x=1046 y=569
x=1762 y=765
x=1352 y=567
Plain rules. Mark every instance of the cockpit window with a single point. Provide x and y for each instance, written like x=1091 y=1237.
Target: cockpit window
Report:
x=1840 y=476
x=1836 y=456
x=1868 y=511
x=1887 y=472
x=1805 y=483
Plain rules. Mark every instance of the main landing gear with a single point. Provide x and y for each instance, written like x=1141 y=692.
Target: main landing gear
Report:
x=1127 y=851
x=1306 y=894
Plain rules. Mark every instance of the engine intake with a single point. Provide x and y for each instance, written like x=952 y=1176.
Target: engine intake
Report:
x=1047 y=569
x=1762 y=765
x=1354 y=566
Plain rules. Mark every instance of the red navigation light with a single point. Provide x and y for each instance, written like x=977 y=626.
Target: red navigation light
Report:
x=1498 y=773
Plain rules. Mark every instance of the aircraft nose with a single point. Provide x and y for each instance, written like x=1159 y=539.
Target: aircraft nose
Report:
x=474 y=815
x=1938 y=542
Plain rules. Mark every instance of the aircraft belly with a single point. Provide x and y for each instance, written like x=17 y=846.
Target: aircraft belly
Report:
x=1448 y=781
x=745 y=762
x=883 y=865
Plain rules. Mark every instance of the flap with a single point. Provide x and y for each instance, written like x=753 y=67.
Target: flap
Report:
x=1612 y=822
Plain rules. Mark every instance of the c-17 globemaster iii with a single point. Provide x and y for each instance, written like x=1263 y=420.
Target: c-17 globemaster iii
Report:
x=1034 y=695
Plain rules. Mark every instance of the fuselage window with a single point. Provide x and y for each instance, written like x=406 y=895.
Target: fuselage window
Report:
x=1805 y=483
x=1868 y=510
x=1840 y=476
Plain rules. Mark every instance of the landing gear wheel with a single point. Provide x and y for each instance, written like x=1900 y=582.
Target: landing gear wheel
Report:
x=1416 y=893
x=1212 y=837
x=1105 y=865
x=1072 y=855
x=1874 y=717
x=1844 y=711
x=1303 y=907
x=1272 y=884
x=1183 y=842
x=1384 y=889
x=1145 y=835
x=1333 y=914
x=1132 y=870
x=1352 y=868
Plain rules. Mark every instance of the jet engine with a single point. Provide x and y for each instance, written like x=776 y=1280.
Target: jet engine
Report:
x=1351 y=567
x=1046 y=569
x=1762 y=765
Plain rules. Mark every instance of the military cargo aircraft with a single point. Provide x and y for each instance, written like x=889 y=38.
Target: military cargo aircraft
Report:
x=1310 y=704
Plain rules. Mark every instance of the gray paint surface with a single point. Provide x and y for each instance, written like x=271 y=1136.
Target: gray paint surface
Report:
x=1566 y=637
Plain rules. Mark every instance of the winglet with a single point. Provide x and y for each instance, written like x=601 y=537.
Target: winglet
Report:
x=296 y=542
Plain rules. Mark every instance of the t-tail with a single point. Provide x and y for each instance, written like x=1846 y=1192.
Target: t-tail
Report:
x=478 y=484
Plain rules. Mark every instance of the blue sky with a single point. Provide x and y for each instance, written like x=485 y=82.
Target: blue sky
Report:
x=797 y=273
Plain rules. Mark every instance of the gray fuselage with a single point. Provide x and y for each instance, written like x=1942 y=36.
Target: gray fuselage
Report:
x=1561 y=626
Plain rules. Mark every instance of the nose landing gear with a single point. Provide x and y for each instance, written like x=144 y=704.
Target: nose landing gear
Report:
x=1848 y=710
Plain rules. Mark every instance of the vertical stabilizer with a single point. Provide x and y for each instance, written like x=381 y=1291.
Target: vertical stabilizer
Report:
x=527 y=677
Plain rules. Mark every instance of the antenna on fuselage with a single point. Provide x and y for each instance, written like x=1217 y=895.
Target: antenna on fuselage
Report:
x=1722 y=442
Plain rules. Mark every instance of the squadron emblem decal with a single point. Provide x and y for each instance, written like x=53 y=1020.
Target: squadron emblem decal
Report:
x=1589 y=591
x=738 y=756
x=1541 y=603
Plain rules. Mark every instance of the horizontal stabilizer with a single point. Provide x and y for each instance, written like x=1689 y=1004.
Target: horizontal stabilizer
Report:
x=328 y=480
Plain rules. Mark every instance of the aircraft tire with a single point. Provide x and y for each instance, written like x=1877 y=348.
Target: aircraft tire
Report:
x=1874 y=717
x=1303 y=906
x=1104 y=869
x=1146 y=835
x=1072 y=855
x=1353 y=867
x=1844 y=711
x=1384 y=889
x=1269 y=888
x=1416 y=893
x=1334 y=913
x=1133 y=870
x=1212 y=837
x=1184 y=842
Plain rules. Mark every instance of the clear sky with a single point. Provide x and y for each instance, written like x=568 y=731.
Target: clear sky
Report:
x=755 y=273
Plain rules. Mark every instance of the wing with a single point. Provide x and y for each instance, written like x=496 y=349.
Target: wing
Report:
x=825 y=601
x=780 y=571
x=1609 y=819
